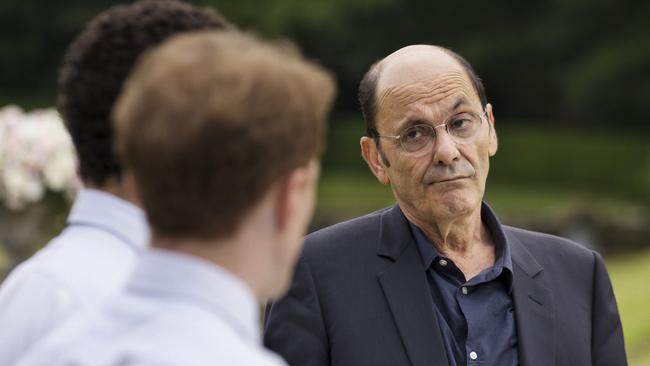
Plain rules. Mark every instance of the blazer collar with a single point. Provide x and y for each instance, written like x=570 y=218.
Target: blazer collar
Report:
x=405 y=287
x=522 y=257
x=394 y=233
x=534 y=308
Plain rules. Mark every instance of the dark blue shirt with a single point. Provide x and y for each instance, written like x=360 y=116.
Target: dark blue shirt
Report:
x=476 y=316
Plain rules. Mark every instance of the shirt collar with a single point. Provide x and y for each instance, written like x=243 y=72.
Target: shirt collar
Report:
x=178 y=276
x=112 y=214
x=429 y=253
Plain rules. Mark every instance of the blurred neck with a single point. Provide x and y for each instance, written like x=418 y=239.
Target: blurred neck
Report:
x=245 y=253
x=116 y=187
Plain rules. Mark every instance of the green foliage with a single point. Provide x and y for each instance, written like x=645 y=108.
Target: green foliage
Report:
x=605 y=162
x=577 y=61
x=33 y=38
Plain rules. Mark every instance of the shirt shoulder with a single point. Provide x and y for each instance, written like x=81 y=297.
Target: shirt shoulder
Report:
x=86 y=263
x=75 y=271
x=32 y=302
x=136 y=331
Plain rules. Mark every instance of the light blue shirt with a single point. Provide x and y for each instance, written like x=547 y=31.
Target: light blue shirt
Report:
x=88 y=262
x=174 y=310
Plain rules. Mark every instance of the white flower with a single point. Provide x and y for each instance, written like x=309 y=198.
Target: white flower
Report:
x=36 y=154
x=59 y=170
x=21 y=187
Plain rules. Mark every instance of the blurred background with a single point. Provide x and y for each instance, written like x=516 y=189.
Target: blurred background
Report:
x=569 y=81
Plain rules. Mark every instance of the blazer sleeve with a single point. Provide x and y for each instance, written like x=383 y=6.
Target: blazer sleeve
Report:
x=294 y=326
x=607 y=344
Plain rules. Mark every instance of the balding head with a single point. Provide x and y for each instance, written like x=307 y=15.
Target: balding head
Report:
x=415 y=63
x=409 y=64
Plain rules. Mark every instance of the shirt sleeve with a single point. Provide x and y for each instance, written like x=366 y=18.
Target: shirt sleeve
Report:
x=294 y=326
x=607 y=346
x=31 y=305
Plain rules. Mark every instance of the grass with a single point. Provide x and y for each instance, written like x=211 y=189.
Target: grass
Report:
x=4 y=262
x=349 y=195
x=630 y=276
x=352 y=194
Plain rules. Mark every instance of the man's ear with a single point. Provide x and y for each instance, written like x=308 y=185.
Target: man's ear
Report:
x=373 y=158
x=494 y=141
x=288 y=196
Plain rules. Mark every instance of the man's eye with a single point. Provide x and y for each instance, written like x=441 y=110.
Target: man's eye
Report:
x=460 y=123
x=416 y=133
x=413 y=133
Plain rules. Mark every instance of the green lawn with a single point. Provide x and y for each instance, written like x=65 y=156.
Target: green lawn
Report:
x=630 y=276
x=354 y=193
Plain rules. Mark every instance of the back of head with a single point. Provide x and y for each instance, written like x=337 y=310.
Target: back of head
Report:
x=210 y=121
x=99 y=60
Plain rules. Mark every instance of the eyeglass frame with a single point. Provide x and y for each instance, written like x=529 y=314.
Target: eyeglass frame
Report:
x=377 y=135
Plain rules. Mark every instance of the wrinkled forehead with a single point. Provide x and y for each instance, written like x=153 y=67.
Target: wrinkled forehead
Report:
x=422 y=75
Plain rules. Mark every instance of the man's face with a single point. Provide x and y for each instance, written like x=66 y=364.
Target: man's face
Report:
x=445 y=179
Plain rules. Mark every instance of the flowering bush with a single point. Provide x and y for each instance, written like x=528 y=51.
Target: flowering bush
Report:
x=36 y=155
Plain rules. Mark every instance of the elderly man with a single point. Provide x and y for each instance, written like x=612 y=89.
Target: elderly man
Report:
x=436 y=279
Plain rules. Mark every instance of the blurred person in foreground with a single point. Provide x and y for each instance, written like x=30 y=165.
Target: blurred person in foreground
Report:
x=223 y=135
x=437 y=279
x=106 y=229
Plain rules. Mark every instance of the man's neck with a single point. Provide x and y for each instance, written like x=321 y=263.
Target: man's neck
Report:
x=112 y=186
x=463 y=239
x=231 y=254
x=121 y=188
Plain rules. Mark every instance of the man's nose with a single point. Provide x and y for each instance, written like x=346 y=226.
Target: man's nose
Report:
x=445 y=150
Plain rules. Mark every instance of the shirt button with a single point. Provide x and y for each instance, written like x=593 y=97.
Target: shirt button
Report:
x=443 y=262
x=473 y=355
x=464 y=290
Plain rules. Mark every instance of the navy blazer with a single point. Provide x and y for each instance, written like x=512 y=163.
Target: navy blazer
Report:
x=360 y=298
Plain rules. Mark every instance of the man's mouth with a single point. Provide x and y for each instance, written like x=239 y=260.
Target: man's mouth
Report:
x=450 y=179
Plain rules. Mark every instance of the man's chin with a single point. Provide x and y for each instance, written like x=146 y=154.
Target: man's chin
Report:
x=450 y=188
x=454 y=203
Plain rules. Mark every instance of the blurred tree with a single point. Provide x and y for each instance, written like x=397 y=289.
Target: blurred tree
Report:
x=33 y=37
x=563 y=61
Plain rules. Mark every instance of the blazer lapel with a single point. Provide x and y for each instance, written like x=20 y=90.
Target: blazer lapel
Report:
x=407 y=292
x=534 y=309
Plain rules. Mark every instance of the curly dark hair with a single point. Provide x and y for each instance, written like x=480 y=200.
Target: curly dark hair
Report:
x=98 y=62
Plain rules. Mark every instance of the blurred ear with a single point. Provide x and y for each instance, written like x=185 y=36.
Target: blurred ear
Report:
x=289 y=194
x=129 y=188
x=372 y=156
x=494 y=142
